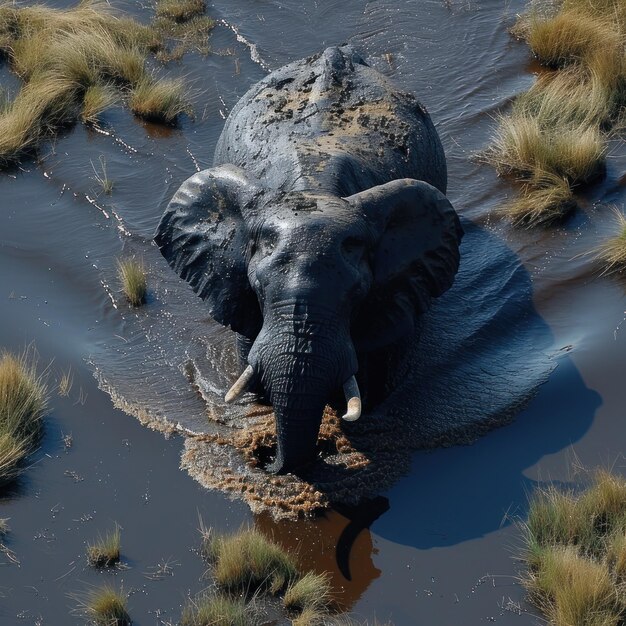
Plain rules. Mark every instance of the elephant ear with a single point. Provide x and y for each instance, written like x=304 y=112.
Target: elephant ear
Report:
x=203 y=238
x=415 y=260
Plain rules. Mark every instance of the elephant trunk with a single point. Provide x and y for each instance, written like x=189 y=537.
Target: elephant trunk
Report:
x=302 y=360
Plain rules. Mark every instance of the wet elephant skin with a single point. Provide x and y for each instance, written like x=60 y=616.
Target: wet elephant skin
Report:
x=320 y=236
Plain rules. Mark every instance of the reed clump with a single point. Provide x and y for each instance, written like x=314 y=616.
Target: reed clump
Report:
x=132 y=275
x=248 y=561
x=105 y=551
x=75 y=63
x=576 y=553
x=23 y=403
x=557 y=131
x=216 y=610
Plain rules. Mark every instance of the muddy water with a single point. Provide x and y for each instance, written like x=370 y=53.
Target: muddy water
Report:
x=441 y=548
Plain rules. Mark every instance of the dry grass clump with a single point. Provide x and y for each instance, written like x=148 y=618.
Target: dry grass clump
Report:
x=216 y=610
x=541 y=202
x=180 y=10
x=569 y=37
x=159 y=100
x=576 y=553
x=75 y=63
x=311 y=592
x=571 y=589
x=105 y=552
x=23 y=402
x=524 y=147
x=96 y=100
x=132 y=275
x=612 y=253
x=248 y=561
x=105 y=606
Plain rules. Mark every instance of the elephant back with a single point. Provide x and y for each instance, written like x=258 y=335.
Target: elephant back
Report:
x=333 y=123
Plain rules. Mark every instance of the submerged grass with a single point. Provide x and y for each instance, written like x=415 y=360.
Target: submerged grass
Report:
x=132 y=275
x=76 y=63
x=23 y=402
x=105 y=551
x=576 y=553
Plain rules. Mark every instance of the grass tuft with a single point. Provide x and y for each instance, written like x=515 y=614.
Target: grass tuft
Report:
x=23 y=402
x=215 y=610
x=65 y=383
x=105 y=606
x=571 y=589
x=312 y=592
x=105 y=552
x=96 y=100
x=248 y=561
x=524 y=148
x=180 y=10
x=159 y=100
x=132 y=275
x=545 y=200
x=570 y=37
x=576 y=553
x=611 y=254
x=101 y=177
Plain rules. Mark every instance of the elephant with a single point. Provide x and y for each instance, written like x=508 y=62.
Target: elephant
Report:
x=320 y=237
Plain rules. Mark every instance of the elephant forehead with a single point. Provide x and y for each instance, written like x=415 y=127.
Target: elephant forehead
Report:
x=318 y=226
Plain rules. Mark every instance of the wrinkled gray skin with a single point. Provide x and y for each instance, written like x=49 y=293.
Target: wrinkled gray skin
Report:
x=320 y=235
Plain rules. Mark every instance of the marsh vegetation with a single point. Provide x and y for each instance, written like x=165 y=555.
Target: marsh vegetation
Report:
x=23 y=402
x=576 y=552
x=247 y=564
x=76 y=63
x=554 y=140
x=248 y=561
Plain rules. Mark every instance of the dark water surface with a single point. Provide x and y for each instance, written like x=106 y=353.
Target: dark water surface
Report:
x=441 y=551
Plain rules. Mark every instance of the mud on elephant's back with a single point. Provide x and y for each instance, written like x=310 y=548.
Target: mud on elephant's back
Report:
x=482 y=354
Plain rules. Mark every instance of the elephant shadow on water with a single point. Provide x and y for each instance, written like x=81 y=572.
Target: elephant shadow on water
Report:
x=482 y=354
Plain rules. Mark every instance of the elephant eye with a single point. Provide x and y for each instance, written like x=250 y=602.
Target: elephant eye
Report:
x=263 y=247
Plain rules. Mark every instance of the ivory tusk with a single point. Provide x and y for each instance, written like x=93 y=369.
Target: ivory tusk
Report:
x=240 y=386
x=353 y=398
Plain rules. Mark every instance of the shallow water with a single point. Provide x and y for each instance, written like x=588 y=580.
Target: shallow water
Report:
x=441 y=549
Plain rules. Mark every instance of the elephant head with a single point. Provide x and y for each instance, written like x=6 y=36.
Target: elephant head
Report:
x=311 y=279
